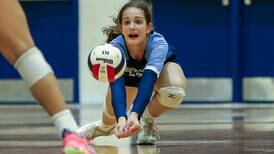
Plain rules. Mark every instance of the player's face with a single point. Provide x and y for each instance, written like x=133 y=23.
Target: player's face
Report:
x=134 y=26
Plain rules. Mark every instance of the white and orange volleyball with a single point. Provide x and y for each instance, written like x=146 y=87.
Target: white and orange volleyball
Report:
x=106 y=63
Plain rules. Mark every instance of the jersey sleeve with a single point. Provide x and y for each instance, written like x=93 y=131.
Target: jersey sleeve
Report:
x=118 y=97
x=156 y=53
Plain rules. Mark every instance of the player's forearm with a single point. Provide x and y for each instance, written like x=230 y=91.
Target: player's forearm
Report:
x=118 y=94
x=144 y=93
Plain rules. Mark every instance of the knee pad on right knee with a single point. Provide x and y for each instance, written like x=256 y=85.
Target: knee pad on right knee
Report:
x=32 y=66
x=170 y=97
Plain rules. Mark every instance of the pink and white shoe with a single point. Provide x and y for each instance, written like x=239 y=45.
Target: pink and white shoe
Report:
x=75 y=144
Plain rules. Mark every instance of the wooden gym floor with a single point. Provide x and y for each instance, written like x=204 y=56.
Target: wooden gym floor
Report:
x=190 y=129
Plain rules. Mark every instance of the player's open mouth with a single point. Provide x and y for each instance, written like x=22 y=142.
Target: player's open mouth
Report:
x=133 y=36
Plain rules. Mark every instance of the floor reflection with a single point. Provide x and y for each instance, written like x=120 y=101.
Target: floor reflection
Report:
x=191 y=129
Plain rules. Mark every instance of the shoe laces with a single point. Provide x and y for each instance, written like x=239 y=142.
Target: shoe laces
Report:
x=92 y=128
x=150 y=128
x=95 y=129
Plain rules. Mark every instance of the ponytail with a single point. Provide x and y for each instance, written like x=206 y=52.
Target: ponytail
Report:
x=112 y=31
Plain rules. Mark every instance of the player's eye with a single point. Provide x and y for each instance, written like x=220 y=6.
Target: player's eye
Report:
x=126 y=22
x=139 y=22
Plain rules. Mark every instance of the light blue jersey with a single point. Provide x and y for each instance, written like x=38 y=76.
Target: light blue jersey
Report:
x=157 y=53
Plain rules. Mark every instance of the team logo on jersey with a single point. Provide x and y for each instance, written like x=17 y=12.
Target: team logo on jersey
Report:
x=133 y=72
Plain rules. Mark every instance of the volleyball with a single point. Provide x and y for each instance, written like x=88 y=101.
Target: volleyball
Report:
x=106 y=63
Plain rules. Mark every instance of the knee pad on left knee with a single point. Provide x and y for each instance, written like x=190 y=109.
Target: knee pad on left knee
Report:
x=170 y=97
x=32 y=66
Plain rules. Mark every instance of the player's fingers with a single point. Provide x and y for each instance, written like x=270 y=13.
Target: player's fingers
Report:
x=135 y=128
x=120 y=131
x=130 y=130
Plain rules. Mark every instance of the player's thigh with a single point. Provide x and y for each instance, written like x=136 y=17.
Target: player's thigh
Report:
x=15 y=37
x=171 y=75
x=131 y=95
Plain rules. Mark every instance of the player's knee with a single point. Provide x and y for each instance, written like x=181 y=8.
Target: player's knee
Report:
x=32 y=66
x=170 y=97
x=178 y=82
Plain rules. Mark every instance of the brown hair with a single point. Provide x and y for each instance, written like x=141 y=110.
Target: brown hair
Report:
x=114 y=31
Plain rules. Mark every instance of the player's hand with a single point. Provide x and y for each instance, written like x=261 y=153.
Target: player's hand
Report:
x=121 y=131
x=133 y=125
